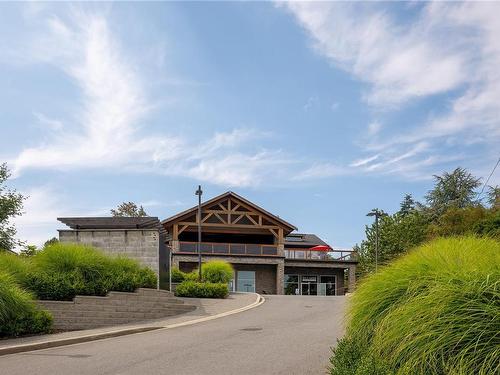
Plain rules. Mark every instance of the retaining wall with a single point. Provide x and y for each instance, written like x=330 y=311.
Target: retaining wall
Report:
x=87 y=312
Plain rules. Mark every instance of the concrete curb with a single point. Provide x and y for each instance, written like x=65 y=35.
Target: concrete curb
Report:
x=120 y=332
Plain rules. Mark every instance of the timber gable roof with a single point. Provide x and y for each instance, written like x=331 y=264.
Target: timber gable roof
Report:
x=178 y=217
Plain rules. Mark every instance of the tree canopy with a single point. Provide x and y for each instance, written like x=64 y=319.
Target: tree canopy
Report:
x=11 y=205
x=129 y=209
x=452 y=207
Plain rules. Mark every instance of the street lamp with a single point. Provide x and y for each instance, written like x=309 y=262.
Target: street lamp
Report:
x=199 y=192
x=378 y=214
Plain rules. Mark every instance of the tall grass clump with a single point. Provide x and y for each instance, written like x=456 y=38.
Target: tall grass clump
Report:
x=18 y=313
x=16 y=266
x=217 y=271
x=433 y=311
x=63 y=270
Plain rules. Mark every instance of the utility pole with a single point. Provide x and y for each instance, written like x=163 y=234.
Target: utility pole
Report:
x=199 y=192
x=378 y=214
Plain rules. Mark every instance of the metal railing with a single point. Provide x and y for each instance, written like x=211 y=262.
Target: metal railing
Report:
x=334 y=255
x=228 y=248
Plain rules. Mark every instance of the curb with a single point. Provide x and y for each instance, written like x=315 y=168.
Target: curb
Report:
x=120 y=332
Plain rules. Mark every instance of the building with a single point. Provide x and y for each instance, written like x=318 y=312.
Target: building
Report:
x=268 y=256
x=266 y=252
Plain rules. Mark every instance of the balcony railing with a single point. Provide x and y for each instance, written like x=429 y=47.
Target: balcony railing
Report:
x=228 y=248
x=334 y=255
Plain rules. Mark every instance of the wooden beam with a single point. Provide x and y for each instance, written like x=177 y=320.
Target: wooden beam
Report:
x=220 y=218
x=182 y=229
x=238 y=219
x=175 y=232
x=251 y=219
x=207 y=217
x=275 y=227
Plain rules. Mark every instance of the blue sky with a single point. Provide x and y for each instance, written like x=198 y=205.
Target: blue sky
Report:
x=318 y=112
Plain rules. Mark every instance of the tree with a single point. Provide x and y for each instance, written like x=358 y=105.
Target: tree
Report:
x=11 y=205
x=29 y=251
x=52 y=241
x=398 y=234
x=129 y=209
x=407 y=205
x=455 y=189
x=494 y=197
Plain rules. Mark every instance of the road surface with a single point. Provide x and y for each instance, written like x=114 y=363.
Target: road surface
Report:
x=286 y=335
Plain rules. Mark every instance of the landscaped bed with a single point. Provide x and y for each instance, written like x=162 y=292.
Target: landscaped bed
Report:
x=215 y=276
x=60 y=272
x=434 y=311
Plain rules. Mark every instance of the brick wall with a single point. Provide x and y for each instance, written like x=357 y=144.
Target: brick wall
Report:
x=87 y=312
x=139 y=244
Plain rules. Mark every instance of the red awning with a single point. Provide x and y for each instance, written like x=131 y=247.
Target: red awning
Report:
x=321 y=248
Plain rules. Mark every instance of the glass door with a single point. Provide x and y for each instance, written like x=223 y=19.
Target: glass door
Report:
x=245 y=281
x=329 y=282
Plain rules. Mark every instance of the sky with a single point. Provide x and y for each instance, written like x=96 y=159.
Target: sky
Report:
x=317 y=112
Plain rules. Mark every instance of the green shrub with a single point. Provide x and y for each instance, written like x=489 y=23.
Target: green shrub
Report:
x=18 y=313
x=202 y=290
x=217 y=271
x=433 y=311
x=16 y=266
x=63 y=270
x=177 y=275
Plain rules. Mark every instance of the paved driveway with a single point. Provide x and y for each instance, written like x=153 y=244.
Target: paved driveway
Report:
x=285 y=335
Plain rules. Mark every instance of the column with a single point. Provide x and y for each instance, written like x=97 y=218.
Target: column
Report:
x=352 y=279
x=280 y=277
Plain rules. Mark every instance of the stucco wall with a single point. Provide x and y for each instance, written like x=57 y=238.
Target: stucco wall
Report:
x=139 y=244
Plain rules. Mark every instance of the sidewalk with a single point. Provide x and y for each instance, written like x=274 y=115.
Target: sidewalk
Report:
x=206 y=309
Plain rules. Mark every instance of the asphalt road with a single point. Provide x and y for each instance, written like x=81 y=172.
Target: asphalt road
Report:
x=286 y=335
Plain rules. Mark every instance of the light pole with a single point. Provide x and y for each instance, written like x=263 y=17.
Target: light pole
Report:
x=378 y=214
x=199 y=192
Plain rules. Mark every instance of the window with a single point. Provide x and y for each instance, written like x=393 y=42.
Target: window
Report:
x=292 y=284
x=245 y=281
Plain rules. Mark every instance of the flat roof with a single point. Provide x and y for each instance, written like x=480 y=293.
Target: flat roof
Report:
x=111 y=222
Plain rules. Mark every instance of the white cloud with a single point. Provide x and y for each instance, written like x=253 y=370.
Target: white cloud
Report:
x=320 y=171
x=444 y=48
x=109 y=129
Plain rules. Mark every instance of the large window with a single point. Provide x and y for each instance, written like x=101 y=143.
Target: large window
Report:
x=245 y=281
x=292 y=284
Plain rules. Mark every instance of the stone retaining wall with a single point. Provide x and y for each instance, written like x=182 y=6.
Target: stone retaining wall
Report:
x=87 y=312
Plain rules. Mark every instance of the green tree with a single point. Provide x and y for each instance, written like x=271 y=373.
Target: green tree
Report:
x=11 y=205
x=455 y=189
x=129 y=209
x=29 y=251
x=457 y=221
x=52 y=241
x=398 y=234
x=494 y=197
x=407 y=206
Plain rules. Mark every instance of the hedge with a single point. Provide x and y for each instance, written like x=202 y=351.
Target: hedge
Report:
x=18 y=313
x=433 y=311
x=202 y=290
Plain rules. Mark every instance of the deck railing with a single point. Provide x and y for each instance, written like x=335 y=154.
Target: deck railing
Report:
x=228 y=248
x=333 y=255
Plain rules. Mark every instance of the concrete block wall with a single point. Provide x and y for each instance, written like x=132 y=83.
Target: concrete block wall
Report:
x=139 y=244
x=87 y=312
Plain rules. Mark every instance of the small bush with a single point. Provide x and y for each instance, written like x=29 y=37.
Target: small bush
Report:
x=18 y=313
x=201 y=290
x=433 y=311
x=177 y=275
x=217 y=271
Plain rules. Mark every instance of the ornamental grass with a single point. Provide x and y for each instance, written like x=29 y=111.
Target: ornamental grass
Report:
x=434 y=311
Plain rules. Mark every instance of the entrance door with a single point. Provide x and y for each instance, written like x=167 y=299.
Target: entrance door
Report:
x=245 y=281
x=309 y=289
x=329 y=282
